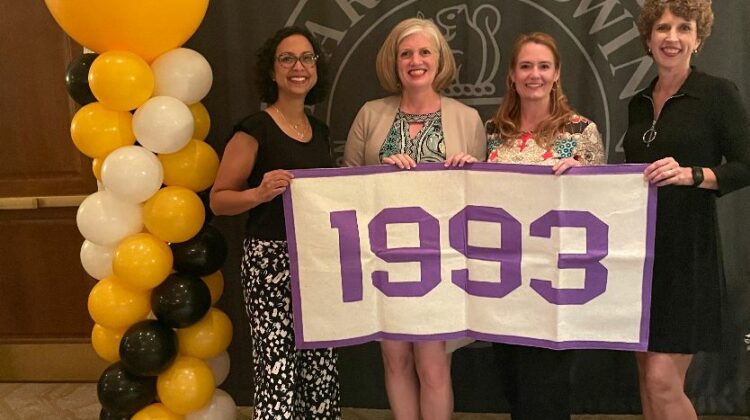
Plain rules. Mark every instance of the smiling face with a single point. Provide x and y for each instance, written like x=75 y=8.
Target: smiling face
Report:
x=534 y=72
x=298 y=79
x=673 y=41
x=417 y=62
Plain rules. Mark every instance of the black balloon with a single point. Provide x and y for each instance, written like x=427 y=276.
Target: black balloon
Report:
x=106 y=415
x=148 y=348
x=201 y=255
x=77 y=79
x=122 y=393
x=205 y=197
x=181 y=300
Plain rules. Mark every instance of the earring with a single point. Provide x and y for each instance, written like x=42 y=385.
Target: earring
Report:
x=695 y=51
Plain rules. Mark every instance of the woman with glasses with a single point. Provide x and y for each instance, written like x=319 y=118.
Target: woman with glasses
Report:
x=254 y=172
x=693 y=131
x=417 y=124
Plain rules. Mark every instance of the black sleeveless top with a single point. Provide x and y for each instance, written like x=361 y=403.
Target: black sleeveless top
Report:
x=276 y=150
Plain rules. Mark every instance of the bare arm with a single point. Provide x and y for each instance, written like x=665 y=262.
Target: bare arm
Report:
x=230 y=195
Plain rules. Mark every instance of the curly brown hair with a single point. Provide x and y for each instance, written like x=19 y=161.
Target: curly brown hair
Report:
x=697 y=10
x=266 y=56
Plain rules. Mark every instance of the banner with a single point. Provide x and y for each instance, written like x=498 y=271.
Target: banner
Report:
x=504 y=253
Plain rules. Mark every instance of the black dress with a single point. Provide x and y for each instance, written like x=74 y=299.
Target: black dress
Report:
x=702 y=123
x=288 y=382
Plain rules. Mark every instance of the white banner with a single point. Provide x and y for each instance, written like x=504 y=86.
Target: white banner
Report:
x=504 y=253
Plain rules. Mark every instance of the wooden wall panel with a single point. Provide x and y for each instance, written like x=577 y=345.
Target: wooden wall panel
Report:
x=38 y=157
x=43 y=288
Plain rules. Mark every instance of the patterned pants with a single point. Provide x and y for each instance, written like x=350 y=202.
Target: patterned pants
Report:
x=289 y=383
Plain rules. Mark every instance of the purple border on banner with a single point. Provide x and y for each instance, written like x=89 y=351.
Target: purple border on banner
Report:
x=291 y=238
x=642 y=345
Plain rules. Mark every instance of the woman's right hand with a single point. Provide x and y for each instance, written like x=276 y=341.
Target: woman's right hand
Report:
x=273 y=183
x=401 y=160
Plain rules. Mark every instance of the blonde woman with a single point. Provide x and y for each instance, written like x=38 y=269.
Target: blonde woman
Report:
x=415 y=125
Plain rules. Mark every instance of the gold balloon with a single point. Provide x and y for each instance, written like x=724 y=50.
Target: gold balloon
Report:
x=96 y=130
x=106 y=342
x=121 y=80
x=115 y=306
x=142 y=261
x=186 y=386
x=206 y=338
x=202 y=121
x=146 y=27
x=174 y=214
x=215 y=283
x=96 y=168
x=156 y=411
x=193 y=167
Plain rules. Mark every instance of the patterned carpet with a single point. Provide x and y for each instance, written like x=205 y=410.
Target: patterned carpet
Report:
x=58 y=401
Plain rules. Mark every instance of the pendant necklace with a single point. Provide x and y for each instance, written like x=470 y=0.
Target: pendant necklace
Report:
x=295 y=127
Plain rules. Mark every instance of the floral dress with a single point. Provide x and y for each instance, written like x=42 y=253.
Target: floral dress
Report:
x=580 y=140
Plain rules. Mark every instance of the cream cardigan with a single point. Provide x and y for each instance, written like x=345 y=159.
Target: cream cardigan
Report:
x=463 y=129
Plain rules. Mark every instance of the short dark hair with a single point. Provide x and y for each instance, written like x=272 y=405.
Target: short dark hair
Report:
x=266 y=57
x=697 y=10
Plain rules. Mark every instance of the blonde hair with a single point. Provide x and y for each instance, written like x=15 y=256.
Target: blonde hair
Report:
x=386 y=66
x=508 y=118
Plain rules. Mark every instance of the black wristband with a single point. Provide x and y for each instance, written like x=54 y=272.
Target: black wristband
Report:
x=697 y=176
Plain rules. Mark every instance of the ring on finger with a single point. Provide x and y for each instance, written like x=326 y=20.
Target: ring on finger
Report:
x=668 y=172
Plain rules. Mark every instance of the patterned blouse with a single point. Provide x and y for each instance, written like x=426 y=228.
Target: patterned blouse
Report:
x=580 y=140
x=427 y=146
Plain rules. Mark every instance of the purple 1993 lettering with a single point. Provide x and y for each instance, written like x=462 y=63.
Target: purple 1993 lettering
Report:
x=508 y=254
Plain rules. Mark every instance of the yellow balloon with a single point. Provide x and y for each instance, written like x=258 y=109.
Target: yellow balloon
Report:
x=174 y=214
x=156 y=411
x=193 y=167
x=96 y=130
x=114 y=306
x=106 y=342
x=146 y=27
x=186 y=386
x=142 y=261
x=202 y=121
x=121 y=80
x=96 y=168
x=206 y=338
x=215 y=283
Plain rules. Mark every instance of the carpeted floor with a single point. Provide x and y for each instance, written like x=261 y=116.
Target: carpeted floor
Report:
x=59 y=401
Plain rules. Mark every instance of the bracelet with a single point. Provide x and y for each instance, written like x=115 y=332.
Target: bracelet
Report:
x=697 y=176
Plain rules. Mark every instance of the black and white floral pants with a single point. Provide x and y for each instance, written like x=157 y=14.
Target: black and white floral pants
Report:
x=289 y=383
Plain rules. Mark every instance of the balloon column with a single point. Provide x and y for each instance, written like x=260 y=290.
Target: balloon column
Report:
x=146 y=239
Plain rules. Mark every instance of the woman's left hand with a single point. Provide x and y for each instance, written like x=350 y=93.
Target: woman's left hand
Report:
x=459 y=159
x=668 y=172
x=562 y=165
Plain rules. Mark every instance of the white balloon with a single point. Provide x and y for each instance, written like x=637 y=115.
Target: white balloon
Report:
x=132 y=173
x=182 y=73
x=219 y=367
x=163 y=124
x=221 y=407
x=97 y=259
x=105 y=220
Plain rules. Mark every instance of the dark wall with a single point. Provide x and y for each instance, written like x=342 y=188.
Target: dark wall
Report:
x=603 y=65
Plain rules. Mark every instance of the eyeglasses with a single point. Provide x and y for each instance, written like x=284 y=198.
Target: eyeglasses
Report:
x=289 y=60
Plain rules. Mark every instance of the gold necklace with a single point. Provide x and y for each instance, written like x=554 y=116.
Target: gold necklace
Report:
x=295 y=127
